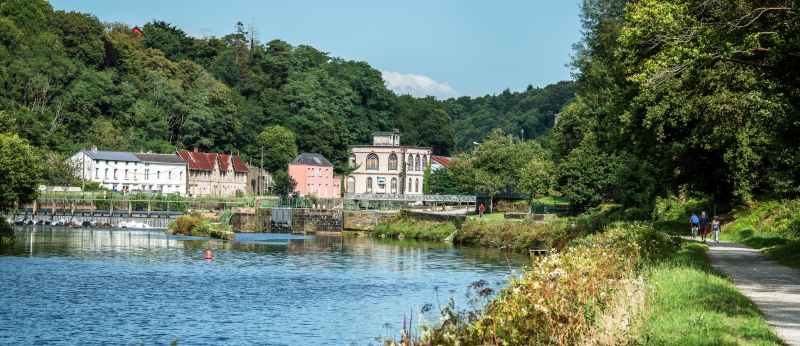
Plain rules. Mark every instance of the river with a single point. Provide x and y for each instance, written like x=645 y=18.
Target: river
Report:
x=61 y=286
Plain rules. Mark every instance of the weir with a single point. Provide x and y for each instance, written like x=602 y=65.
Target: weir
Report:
x=92 y=218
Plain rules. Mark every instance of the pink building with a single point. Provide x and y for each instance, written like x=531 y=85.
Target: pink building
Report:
x=314 y=176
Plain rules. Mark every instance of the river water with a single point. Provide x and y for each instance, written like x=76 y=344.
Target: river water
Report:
x=61 y=286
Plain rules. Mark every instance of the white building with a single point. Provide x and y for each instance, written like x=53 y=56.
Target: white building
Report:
x=122 y=170
x=387 y=167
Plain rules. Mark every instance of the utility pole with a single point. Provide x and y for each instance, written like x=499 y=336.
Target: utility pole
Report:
x=83 y=170
x=261 y=174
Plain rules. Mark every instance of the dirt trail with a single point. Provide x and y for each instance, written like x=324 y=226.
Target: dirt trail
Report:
x=774 y=287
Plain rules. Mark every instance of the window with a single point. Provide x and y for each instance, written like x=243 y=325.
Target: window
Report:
x=393 y=162
x=181 y=176
x=106 y=173
x=135 y=174
x=369 y=185
x=158 y=174
x=308 y=173
x=97 y=173
x=416 y=185
x=146 y=174
x=169 y=175
x=416 y=164
x=424 y=162
x=317 y=171
x=326 y=175
x=372 y=162
x=409 y=185
x=410 y=166
x=126 y=174
x=352 y=160
x=115 y=173
x=351 y=185
x=394 y=185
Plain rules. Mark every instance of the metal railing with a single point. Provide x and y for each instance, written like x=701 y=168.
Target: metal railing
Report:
x=411 y=198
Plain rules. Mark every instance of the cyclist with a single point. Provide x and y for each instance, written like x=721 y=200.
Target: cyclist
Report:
x=695 y=225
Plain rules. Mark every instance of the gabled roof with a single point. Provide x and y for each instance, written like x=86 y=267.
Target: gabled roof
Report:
x=161 y=158
x=238 y=164
x=311 y=159
x=111 y=155
x=205 y=161
x=196 y=160
x=442 y=160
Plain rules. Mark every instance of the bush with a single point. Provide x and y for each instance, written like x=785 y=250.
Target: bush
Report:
x=6 y=232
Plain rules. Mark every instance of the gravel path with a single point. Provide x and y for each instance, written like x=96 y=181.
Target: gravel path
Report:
x=774 y=287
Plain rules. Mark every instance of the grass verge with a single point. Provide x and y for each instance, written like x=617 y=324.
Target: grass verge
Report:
x=690 y=303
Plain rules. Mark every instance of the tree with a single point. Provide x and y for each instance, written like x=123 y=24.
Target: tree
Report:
x=29 y=15
x=81 y=35
x=535 y=178
x=284 y=184
x=495 y=164
x=19 y=174
x=443 y=184
x=585 y=177
x=279 y=147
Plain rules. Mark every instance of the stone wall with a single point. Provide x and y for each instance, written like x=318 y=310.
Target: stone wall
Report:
x=432 y=217
x=317 y=220
x=366 y=220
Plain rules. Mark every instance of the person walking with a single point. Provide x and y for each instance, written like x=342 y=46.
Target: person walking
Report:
x=695 y=224
x=703 y=226
x=480 y=210
x=715 y=228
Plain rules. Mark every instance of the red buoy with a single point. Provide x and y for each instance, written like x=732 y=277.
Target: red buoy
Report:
x=208 y=255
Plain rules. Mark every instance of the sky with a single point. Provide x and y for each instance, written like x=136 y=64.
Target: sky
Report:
x=437 y=47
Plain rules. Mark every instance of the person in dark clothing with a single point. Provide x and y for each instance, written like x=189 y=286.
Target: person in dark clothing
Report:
x=703 y=226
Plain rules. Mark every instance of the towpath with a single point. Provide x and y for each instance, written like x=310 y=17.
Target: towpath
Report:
x=774 y=287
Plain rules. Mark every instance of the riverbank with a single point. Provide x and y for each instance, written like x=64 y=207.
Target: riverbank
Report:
x=195 y=224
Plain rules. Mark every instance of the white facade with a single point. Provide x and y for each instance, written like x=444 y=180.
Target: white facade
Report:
x=124 y=171
x=387 y=167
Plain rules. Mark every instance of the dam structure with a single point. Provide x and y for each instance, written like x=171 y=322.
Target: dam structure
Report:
x=92 y=218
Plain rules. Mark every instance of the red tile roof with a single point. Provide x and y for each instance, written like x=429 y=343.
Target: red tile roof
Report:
x=205 y=161
x=442 y=160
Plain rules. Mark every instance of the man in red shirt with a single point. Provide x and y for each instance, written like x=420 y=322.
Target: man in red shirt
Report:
x=480 y=210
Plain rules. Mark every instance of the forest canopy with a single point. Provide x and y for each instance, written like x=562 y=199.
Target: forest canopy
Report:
x=70 y=80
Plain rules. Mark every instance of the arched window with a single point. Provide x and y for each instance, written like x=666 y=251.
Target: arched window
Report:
x=351 y=185
x=416 y=164
x=409 y=185
x=372 y=162
x=369 y=185
x=410 y=165
x=416 y=185
x=352 y=160
x=424 y=162
x=394 y=185
x=393 y=162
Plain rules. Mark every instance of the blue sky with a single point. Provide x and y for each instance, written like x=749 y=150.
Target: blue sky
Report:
x=440 y=48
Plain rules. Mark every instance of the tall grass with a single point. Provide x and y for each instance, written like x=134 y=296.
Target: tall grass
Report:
x=689 y=303
x=194 y=224
x=558 y=299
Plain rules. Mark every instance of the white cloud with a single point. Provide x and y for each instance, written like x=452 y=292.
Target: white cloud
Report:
x=197 y=32
x=417 y=85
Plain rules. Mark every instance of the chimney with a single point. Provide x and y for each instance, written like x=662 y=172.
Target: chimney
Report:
x=396 y=130
x=195 y=149
x=94 y=148
x=141 y=151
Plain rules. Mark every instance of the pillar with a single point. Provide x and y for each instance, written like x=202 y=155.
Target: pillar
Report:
x=92 y=206
x=167 y=209
x=149 y=208
x=72 y=208
x=130 y=207
x=35 y=205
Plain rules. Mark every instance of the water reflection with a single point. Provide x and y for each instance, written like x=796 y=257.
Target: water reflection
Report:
x=142 y=286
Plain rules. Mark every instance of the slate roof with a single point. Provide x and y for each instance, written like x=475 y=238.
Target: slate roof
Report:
x=111 y=155
x=385 y=133
x=162 y=158
x=311 y=159
x=442 y=160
